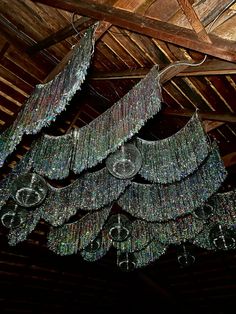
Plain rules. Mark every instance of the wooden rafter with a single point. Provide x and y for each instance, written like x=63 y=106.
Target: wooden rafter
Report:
x=4 y=50
x=213 y=116
x=220 y=48
x=19 y=40
x=211 y=67
x=81 y=24
x=211 y=125
x=194 y=20
x=230 y=159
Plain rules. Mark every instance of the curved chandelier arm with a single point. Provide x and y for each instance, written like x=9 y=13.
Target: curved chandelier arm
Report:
x=70 y=238
x=84 y=148
x=157 y=202
x=50 y=99
x=173 y=158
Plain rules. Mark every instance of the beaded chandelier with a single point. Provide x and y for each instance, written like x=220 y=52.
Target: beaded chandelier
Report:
x=149 y=194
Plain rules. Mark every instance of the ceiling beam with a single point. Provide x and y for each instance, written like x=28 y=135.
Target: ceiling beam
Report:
x=81 y=24
x=209 y=125
x=211 y=67
x=213 y=116
x=221 y=48
x=194 y=20
x=229 y=160
x=4 y=50
x=20 y=40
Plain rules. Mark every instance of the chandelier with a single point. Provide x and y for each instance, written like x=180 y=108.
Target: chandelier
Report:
x=149 y=194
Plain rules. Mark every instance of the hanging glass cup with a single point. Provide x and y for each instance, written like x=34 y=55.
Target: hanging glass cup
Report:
x=184 y=258
x=222 y=237
x=204 y=212
x=29 y=190
x=125 y=163
x=94 y=246
x=118 y=227
x=12 y=215
x=126 y=261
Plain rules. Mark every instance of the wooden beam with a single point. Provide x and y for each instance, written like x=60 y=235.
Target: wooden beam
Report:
x=81 y=24
x=229 y=160
x=181 y=36
x=171 y=71
x=19 y=39
x=194 y=20
x=209 y=125
x=210 y=67
x=4 y=50
x=213 y=116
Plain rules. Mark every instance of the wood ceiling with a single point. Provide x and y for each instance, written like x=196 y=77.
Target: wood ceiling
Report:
x=131 y=37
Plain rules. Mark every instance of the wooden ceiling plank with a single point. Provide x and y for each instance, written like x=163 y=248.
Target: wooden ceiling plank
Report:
x=194 y=20
x=207 y=12
x=19 y=71
x=107 y=57
x=183 y=93
x=224 y=91
x=8 y=104
x=213 y=116
x=29 y=21
x=171 y=89
x=4 y=50
x=148 y=47
x=15 y=80
x=67 y=31
x=188 y=88
x=143 y=8
x=169 y=100
x=8 y=90
x=171 y=71
x=123 y=39
x=120 y=52
x=208 y=91
x=22 y=60
x=21 y=41
x=211 y=125
x=5 y=116
x=81 y=24
x=220 y=48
